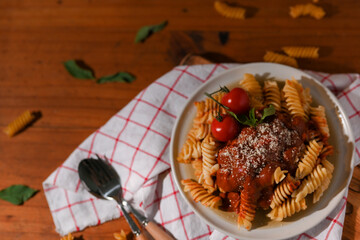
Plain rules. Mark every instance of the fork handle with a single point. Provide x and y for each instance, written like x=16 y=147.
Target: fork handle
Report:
x=134 y=228
x=157 y=232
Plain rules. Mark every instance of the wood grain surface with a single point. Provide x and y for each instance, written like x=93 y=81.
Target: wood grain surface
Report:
x=37 y=36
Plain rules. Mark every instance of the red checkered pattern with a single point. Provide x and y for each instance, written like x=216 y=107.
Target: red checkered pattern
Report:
x=136 y=142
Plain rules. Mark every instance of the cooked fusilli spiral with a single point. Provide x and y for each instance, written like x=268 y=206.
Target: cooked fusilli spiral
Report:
x=284 y=190
x=246 y=211
x=278 y=175
x=311 y=183
x=287 y=209
x=209 y=148
x=199 y=194
x=252 y=86
x=272 y=94
x=326 y=182
x=309 y=159
x=319 y=117
x=293 y=99
x=191 y=148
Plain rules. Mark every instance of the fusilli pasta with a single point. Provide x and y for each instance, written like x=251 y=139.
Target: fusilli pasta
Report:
x=229 y=11
x=199 y=194
x=279 y=58
x=302 y=52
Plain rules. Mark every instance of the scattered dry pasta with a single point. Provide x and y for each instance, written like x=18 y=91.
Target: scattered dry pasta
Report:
x=279 y=58
x=67 y=237
x=307 y=9
x=303 y=170
x=229 y=11
x=19 y=123
x=120 y=236
x=302 y=52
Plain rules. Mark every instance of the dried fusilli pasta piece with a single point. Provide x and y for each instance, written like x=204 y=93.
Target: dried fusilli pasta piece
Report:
x=287 y=209
x=271 y=56
x=311 y=183
x=19 y=123
x=301 y=52
x=191 y=148
x=326 y=182
x=209 y=148
x=278 y=175
x=120 y=236
x=293 y=99
x=308 y=161
x=252 y=86
x=229 y=11
x=307 y=9
x=319 y=117
x=247 y=211
x=199 y=194
x=284 y=190
x=67 y=237
x=272 y=94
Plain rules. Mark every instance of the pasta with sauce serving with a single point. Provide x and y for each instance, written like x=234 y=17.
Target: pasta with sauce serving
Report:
x=277 y=157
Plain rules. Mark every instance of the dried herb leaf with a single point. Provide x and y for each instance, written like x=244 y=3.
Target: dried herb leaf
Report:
x=117 y=77
x=17 y=194
x=76 y=71
x=223 y=37
x=146 y=31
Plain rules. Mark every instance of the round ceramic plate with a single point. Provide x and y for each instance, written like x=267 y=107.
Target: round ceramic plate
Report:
x=340 y=137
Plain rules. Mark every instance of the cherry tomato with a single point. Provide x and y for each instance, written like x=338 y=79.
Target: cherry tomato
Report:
x=237 y=100
x=225 y=130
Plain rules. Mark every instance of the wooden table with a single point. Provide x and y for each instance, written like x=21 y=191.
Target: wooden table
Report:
x=36 y=37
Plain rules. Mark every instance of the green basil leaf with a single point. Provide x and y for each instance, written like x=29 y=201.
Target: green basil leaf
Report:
x=76 y=71
x=146 y=31
x=117 y=77
x=268 y=112
x=17 y=194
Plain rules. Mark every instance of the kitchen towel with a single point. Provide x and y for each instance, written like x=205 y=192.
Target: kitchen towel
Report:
x=136 y=142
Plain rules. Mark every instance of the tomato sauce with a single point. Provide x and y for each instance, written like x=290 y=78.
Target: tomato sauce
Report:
x=248 y=162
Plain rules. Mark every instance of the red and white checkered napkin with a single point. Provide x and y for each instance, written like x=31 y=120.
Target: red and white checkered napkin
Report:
x=136 y=142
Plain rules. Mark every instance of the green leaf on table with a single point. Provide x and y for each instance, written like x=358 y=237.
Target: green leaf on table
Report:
x=146 y=31
x=117 y=77
x=76 y=70
x=17 y=194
